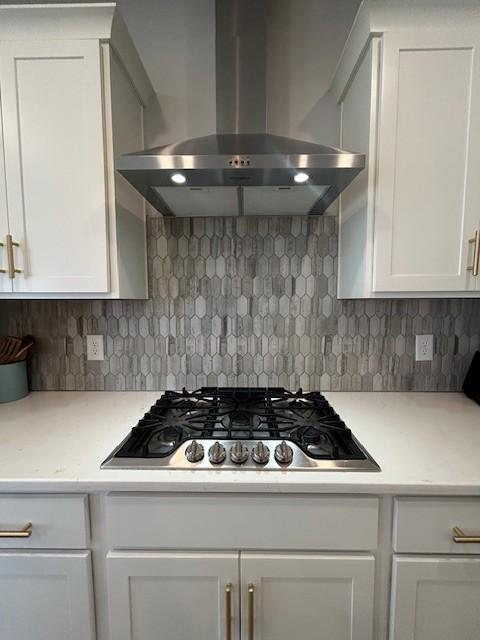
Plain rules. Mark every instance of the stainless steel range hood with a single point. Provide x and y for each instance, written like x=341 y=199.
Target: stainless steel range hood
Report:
x=241 y=170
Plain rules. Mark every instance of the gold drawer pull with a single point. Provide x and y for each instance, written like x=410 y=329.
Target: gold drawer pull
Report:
x=251 y=612
x=228 y=611
x=2 y=270
x=461 y=538
x=475 y=266
x=11 y=258
x=26 y=532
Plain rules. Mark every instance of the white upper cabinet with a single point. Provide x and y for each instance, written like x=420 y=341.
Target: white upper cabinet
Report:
x=55 y=170
x=410 y=100
x=5 y=281
x=428 y=199
x=73 y=229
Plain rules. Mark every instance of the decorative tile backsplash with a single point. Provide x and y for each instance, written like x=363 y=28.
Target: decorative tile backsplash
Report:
x=246 y=301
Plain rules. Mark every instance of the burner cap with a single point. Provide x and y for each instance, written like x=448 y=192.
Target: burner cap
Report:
x=241 y=419
x=163 y=441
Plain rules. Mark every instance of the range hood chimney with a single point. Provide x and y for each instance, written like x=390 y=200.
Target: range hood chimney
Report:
x=241 y=66
x=241 y=170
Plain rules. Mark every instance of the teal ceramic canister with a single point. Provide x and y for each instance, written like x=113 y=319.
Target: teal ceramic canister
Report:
x=13 y=381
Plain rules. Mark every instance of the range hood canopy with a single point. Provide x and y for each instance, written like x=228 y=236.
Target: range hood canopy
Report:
x=240 y=169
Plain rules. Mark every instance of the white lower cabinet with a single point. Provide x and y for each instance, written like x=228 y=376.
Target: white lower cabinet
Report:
x=307 y=596
x=435 y=598
x=46 y=596
x=223 y=596
x=435 y=591
x=172 y=596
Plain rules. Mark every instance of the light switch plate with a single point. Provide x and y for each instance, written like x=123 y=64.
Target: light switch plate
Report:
x=424 y=347
x=95 y=350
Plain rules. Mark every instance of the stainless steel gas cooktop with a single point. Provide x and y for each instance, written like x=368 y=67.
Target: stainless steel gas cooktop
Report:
x=241 y=428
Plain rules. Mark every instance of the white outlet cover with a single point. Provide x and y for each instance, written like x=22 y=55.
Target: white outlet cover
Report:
x=424 y=347
x=95 y=350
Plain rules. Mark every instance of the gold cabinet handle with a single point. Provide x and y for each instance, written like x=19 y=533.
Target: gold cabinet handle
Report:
x=26 y=532
x=461 y=538
x=251 y=612
x=2 y=270
x=475 y=266
x=11 y=258
x=228 y=611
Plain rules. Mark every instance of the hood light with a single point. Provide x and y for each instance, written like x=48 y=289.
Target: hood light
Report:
x=301 y=177
x=178 y=178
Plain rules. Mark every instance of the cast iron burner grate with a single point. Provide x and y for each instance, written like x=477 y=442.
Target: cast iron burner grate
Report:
x=225 y=413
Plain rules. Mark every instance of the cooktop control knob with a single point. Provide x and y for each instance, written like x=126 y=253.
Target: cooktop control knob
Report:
x=260 y=453
x=238 y=453
x=283 y=453
x=194 y=452
x=216 y=453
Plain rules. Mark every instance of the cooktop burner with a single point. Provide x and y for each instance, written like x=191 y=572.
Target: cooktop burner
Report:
x=241 y=428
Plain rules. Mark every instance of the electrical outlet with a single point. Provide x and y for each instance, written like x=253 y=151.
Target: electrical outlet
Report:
x=424 y=347
x=95 y=348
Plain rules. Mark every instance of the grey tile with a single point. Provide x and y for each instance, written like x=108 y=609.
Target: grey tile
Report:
x=246 y=301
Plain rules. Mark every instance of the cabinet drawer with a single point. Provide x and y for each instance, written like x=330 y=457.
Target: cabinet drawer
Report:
x=426 y=525
x=58 y=521
x=242 y=522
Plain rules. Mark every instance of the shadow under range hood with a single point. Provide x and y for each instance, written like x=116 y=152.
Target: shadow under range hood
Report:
x=241 y=170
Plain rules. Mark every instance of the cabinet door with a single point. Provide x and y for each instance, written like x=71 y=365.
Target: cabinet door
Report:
x=46 y=596
x=54 y=159
x=307 y=596
x=436 y=598
x=428 y=199
x=5 y=281
x=168 y=596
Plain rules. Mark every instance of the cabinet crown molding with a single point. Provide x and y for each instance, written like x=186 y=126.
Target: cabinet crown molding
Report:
x=59 y=21
x=376 y=17
x=75 y=21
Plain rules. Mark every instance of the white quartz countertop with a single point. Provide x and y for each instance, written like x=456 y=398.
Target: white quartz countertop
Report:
x=425 y=443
